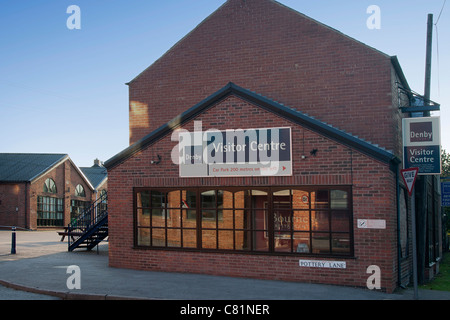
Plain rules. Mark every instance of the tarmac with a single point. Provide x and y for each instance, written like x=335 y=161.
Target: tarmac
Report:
x=40 y=265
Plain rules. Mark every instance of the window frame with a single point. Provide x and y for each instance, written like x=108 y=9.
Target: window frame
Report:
x=50 y=186
x=80 y=191
x=48 y=210
x=252 y=230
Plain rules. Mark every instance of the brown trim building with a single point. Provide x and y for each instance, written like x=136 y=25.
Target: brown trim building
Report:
x=41 y=190
x=199 y=190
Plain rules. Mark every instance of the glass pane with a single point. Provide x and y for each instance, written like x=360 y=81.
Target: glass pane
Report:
x=208 y=199
x=282 y=220
x=174 y=237
x=340 y=221
x=258 y=199
x=208 y=218
x=143 y=217
x=300 y=199
x=226 y=239
x=225 y=200
x=282 y=193
x=301 y=220
x=283 y=242
x=189 y=199
x=239 y=199
x=319 y=199
x=158 y=237
x=158 y=219
x=174 y=218
x=189 y=238
x=240 y=219
x=143 y=199
x=320 y=221
x=301 y=242
x=242 y=240
x=320 y=243
x=174 y=200
x=209 y=239
x=189 y=218
x=341 y=243
x=339 y=199
x=158 y=199
x=259 y=219
x=226 y=222
x=143 y=238
x=260 y=241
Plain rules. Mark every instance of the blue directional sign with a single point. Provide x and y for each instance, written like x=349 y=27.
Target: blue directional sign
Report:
x=445 y=194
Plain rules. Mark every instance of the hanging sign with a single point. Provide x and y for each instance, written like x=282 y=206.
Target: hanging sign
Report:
x=409 y=177
x=422 y=144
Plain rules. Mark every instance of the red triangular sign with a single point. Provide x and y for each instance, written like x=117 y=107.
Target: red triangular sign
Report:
x=409 y=177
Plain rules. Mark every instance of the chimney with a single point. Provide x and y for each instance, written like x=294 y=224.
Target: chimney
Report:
x=97 y=163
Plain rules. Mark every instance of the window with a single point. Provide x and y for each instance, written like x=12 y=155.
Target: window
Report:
x=316 y=221
x=78 y=208
x=49 y=186
x=79 y=191
x=50 y=212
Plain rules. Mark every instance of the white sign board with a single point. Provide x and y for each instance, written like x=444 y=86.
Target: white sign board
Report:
x=322 y=264
x=422 y=144
x=231 y=153
x=371 y=224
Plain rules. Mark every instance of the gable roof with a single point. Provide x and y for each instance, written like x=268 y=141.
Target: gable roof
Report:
x=272 y=106
x=26 y=167
x=97 y=175
x=394 y=59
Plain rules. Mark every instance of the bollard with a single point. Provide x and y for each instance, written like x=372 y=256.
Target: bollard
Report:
x=13 y=241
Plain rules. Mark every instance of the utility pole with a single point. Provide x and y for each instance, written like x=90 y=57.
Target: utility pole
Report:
x=427 y=94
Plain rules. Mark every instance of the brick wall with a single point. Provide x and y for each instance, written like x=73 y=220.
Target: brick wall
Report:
x=13 y=206
x=23 y=196
x=265 y=47
x=372 y=182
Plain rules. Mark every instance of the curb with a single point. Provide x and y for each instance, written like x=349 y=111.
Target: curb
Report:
x=67 y=295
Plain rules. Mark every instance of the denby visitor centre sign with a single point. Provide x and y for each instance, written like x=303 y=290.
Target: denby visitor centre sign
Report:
x=422 y=144
x=235 y=152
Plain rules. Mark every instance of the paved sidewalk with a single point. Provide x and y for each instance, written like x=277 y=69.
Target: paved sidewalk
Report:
x=40 y=266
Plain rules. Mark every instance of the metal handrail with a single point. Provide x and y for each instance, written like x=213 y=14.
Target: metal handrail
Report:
x=91 y=215
x=89 y=218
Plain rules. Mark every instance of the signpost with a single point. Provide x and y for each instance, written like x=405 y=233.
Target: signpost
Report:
x=409 y=177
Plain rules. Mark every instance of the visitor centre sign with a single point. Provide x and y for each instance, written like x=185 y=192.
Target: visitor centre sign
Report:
x=235 y=152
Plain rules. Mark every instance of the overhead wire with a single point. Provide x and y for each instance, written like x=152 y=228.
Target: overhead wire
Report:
x=437 y=47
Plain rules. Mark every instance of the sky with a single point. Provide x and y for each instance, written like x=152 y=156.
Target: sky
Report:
x=62 y=90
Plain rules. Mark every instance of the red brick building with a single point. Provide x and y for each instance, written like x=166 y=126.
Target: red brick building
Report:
x=41 y=190
x=335 y=207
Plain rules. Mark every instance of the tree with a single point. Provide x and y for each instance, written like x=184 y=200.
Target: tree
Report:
x=445 y=162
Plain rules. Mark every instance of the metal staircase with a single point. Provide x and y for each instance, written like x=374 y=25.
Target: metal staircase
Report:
x=90 y=228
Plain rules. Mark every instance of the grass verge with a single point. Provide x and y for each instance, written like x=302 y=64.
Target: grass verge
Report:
x=442 y=281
